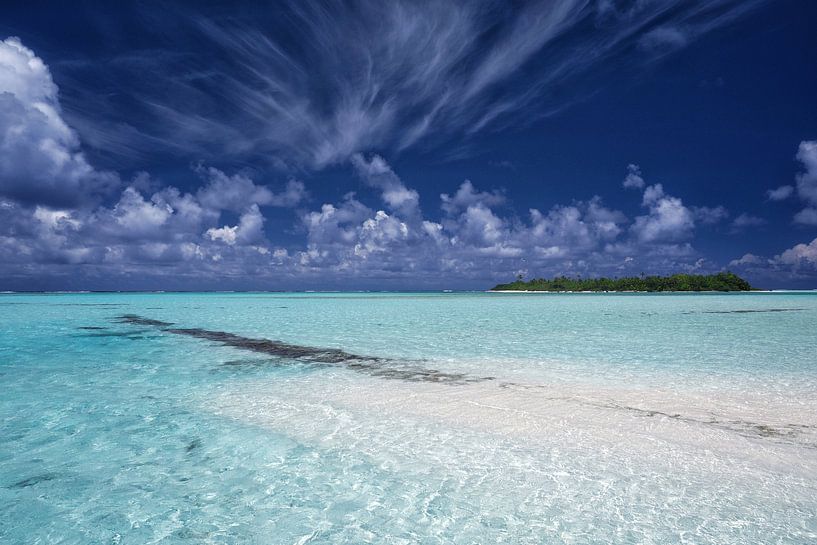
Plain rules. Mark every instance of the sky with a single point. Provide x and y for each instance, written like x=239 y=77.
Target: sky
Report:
x=405 y=145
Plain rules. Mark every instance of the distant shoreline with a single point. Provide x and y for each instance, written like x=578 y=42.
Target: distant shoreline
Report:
x=719 y=282
x=645 y=291
x=354 y=292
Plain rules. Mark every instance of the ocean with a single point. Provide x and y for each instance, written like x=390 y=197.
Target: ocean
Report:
x=405 y=418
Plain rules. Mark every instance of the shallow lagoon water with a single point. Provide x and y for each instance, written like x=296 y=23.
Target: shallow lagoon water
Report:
x=574 y=418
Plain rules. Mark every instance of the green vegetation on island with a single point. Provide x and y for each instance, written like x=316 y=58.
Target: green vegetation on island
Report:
x=723 y=281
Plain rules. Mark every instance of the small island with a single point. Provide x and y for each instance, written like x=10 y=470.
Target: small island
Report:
x=723 y=281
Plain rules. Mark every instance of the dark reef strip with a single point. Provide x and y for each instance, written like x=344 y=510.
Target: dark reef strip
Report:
x=133 y=335
x=88 y=304
x=373 y=366
x=266 y=346
x=140 y=320
x=33 y=481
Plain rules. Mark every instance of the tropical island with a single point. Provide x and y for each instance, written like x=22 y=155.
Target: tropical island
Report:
x=723 y=281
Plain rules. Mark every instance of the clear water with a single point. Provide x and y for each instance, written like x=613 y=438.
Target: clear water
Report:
x=576 y=418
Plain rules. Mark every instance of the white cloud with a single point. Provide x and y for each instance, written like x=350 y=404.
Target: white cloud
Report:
x=250 y=226
x=471 y=234
x=225 y=234
x=56 y=219
x=40 y=156
x=335 y=224
x=799 y=255
x=664 y=38
x=652 y=194
x=376 y=234
x=467 y=196
x=479 y=226
x=806 y=216
x=250 y=229
x=606 y=223
x=744 y=221
x=188 y=214
x=292 y=195
x=136 y=217
x=797 y=264
x=746 y=259
x=378 y=174
x=710 y=215
x=237 y=192
x=676 y=29
x=668 y=218
x=807 y=180
x=633 y=178
x=573 y=228
x=781 y=193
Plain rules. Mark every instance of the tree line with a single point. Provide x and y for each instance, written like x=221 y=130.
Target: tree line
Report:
x=723 y=281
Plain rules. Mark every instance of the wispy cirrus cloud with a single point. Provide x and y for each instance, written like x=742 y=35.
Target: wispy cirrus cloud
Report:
x=320 y=82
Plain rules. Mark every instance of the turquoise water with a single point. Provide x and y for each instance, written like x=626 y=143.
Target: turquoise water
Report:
x=437 y=418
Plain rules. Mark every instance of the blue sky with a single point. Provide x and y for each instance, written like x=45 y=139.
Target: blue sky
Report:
x=405 y=145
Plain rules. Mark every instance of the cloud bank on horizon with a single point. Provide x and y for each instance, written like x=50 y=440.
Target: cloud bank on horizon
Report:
x=351 y=87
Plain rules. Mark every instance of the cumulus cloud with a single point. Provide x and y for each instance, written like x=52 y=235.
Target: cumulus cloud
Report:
x=746 y=259
x=225 y=234
x=668 y=218
x=476 y=235
x=806 y=216
x=574 y=228
x=710 y=215
x=237 y=192
x=139 y=218
x=605 y=222
x=467 y=196
x=807 y=182
x=745 y=221
x=376 y=173
x=56 y=219
x=471 y=233
x=781 y=193
x=807 y=179
x=805 y=187
x=378 y=233
x=794 y=266
x=335 y=224
x=138 y=230
x=478 y=226
x=40 y=156
x=800 y=255
x=633 y=178
x=250 y=229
